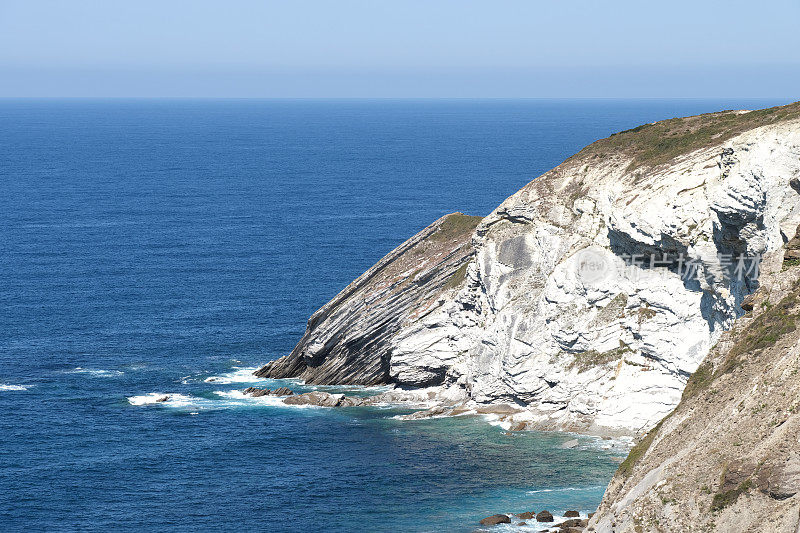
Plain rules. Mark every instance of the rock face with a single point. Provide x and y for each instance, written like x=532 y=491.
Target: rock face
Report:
x=257 y=393
x=554 y=305
x=728 y=458
x=348 y=341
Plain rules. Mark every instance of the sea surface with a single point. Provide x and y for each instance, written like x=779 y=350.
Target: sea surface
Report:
x=152 y=247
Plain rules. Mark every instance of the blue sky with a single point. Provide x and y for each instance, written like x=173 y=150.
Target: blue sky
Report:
x=402 y=48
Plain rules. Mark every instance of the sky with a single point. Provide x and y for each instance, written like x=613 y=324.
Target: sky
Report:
x=400 y=48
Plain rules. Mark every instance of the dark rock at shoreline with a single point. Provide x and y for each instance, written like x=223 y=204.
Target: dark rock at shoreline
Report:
x=325 y=399
x=544 y=516
x=527 y=515
x=256 y=392
x=496 y=519
x=320 y=399
x=572 y=514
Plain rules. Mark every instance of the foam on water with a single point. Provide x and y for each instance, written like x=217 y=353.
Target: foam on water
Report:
x=224 y=400
x=167 y=400
x=237 y=375
x=494 y=420
x=98 y=373
x=273 y=401
x=4 y=387
x=567 y=489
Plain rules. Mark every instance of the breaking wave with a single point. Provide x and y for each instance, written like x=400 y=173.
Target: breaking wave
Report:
x=4 y=387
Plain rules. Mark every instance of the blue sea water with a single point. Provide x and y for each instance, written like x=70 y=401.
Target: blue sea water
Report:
x=149 y=245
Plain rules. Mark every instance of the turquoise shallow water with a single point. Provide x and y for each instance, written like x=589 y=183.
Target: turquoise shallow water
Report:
x=150 y=245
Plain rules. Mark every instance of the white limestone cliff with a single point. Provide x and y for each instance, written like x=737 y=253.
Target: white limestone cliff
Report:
x=552 y=318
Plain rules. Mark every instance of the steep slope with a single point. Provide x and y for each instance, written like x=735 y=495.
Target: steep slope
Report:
x=348 y=340
x=728 y=458
x=561 y=312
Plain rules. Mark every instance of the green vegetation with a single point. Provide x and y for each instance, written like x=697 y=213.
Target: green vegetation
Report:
x=613 y=311
x=763 y=332
x=645 y=313
x=699 y=380
x=457 y=277
x=723 y=499
x=454 y=226
x=637 y=452
x=789 y=263
x=661 y=142
x=591 y=358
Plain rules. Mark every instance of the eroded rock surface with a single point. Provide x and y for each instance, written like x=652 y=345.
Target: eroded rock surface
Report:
x=348 y=341
x=541 y=308
x=727 y=459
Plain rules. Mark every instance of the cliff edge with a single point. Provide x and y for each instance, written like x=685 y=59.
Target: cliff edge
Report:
x=728 y=458
x=587 y=299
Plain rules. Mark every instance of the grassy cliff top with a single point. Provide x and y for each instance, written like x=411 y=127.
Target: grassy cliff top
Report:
x=661 y=142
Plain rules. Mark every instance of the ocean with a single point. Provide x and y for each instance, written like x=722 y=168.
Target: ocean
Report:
x=153 y=247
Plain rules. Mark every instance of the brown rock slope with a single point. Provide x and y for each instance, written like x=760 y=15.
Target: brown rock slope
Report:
x=728 y=458
x=346 y=341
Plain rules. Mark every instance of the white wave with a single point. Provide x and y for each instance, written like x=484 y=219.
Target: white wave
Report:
x=237 y=375
x=167 y=400
x=99 y=373
x=618 y=445
x=494 y=420
x=4 y=387
x=568 y=489
x=239 y=398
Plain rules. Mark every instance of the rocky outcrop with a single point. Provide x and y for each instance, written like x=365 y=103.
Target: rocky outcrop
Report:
x=589 y=297
x=496 y=519
x=349 y=340
x=257 y=393
x=728 y=458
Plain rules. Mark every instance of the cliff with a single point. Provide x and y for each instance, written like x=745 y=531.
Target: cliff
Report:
x=728 y=458
x=348 y=341
x=572 y=301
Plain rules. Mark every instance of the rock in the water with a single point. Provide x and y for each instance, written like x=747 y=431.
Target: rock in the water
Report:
x=163 y=399
x=527 y=515
x=355 y=401
x=572 y=514
x=320 y=399
x=256 y=392
x=570 y=444
x=496 y=519
x=544 y=516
